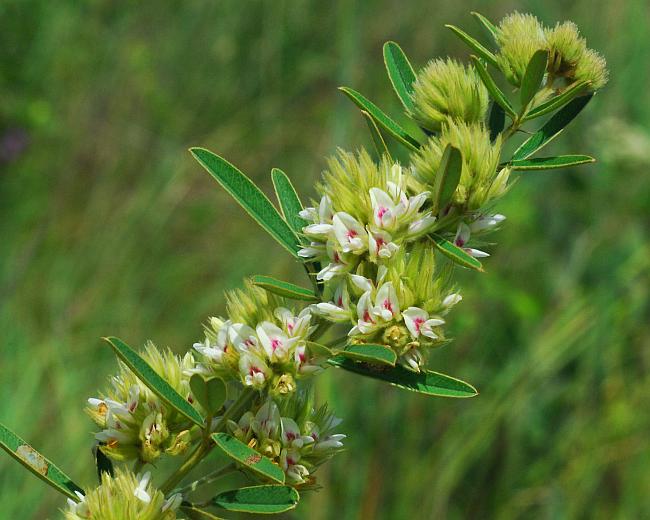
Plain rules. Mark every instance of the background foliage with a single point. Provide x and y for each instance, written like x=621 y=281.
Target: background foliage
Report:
x=109 y=227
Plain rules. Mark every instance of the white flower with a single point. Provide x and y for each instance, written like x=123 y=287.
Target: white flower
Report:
x=243 y=338
x=380 y=244
x=79 y=508
x=254 y=370
x=338 y=310
x=276 y=343
x=331 y=442
x=294 y=326
x=412 y=360
x=486 y=222
x=350 y=234
x=291 y=436
x=418 y=322
x=141 y=490
x=267 y=421
x=451 y=300
x=462 y=237
x=371 y=317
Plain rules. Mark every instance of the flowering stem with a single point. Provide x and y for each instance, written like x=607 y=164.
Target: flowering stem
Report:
x=242 y=402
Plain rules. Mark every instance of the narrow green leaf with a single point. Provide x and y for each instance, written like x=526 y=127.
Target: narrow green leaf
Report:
x=457 y=254
x=447 y=177
x=370 y=353
x=474 y=45
x=550 y=163
x=209 y=393
x=289 y=201
x=533 y=76
x=496 y=93
x=195 y=513
x=154 y=381
x=37 y=464
x=248 y=457
x=496 y=120
x=285 y=289
x=249 y=196
x=380 y=117
x=377 y=138
x=552 y=128
x=488 y=25
x=425 y=382
x=400 y=73
x=258 y=499
x=558 y=101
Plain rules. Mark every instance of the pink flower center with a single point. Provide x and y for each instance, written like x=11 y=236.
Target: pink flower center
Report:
x=388 y=305
x=275 y=343
x=351 y=234
x=381 y=212
x=418 y=323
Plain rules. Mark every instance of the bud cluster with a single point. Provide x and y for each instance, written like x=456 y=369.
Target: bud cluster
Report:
x=136 y=424
x=123 y=496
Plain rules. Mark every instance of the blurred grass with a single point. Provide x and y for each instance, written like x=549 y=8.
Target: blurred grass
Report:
x=108 y=227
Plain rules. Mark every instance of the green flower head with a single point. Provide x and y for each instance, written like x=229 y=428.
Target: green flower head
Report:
x=570 y=58
x=519 y=37
x=447 y=89
x=480 y=180
x=122 y=497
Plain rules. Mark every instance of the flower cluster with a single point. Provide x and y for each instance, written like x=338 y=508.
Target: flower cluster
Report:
x=519 y=36
x=262 y=344
x=122 y=496
x=292 y=434
x=136 y=424
x=366 y=213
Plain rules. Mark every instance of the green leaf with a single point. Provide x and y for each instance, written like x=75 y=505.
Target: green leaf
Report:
x=496 y=120
x=289 y=201
x=425 y=382
x=37 y=464
x=194 y=513
x=154 y=381
x=258 y=499
x=249 y=196
x=447 y=177
x=370 y=353
x=551 y=163
x=210 y=393
x=285 y=289
x=457 y=254
x=377 y=139
x=496 y=93
x=491 y=28
x=247 y=456
x=552 y=128
x=533 y=76
x=318 y=350
x=400 y=73
x=474 y=45
x=557 y=101
x=380 y=117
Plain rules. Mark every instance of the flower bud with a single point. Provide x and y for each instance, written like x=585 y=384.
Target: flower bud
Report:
x=519 y=36
x=447 y=89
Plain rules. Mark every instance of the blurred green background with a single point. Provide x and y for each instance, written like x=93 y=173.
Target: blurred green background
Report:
x=109 y=227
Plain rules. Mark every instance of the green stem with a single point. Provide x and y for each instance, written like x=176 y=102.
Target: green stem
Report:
x=137 y=467
x=235 y=410
x=208 y=479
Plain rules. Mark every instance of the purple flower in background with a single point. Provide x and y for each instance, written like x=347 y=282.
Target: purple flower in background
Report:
x=12 y=144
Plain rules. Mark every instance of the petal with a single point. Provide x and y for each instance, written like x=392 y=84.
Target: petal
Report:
x=414 y=317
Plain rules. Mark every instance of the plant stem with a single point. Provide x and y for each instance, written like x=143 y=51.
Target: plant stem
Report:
x=209 y=478
x=139 y=464
x=206 y=444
